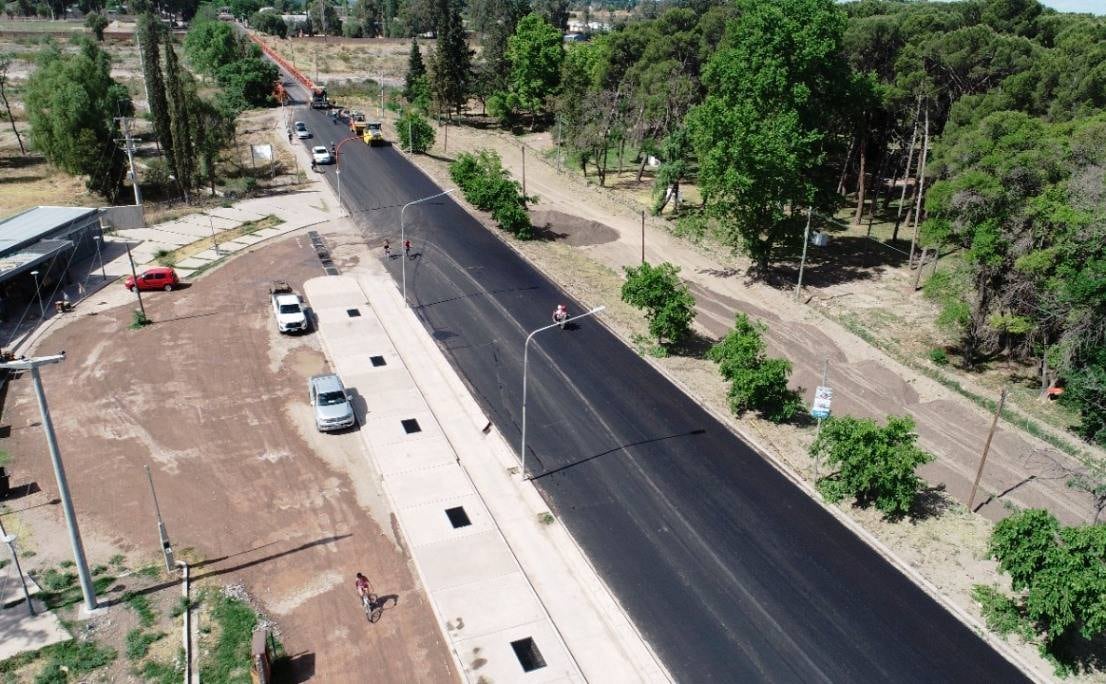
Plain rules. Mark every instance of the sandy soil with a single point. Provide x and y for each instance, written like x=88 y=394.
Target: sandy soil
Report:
x=212 y=398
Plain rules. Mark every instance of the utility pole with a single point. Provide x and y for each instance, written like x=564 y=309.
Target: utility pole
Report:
x=83 y=574
x=558 y=144
x=382 y=96
x=802 y=262
x=9 y=539
x=523 y=147
x=128 y=146
x=134 y=275
x=166 y=547
x=986 y=447
x=145 y=86
x=643 y=236
x=921 y=186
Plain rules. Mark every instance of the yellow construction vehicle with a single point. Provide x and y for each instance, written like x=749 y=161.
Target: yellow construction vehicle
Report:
x=373 y=134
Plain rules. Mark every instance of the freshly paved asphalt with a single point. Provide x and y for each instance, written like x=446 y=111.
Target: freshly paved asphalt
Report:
x=731 y=572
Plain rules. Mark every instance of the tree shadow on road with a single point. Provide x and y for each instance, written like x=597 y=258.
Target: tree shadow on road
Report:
x=294 y=669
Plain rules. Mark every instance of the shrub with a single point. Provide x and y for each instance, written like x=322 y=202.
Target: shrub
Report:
x=415 y=132
x=874 y=464
x=138 y=643
x=939 y=356
x=487 y=186
x=669 y=306
x=1001 y=613
x=757 y=383
x=270 y=23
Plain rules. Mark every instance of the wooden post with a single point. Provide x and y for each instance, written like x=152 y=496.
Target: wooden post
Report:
x=921 y=186
x=918 y=271
x=986 y=447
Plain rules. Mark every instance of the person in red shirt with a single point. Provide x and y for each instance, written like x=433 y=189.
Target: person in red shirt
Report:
x=407 y=248
x=362 y=586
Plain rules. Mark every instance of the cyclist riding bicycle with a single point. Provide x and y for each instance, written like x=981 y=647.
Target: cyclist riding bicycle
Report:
x=362 y=586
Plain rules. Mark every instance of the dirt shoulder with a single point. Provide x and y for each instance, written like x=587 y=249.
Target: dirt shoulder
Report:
x=212 y=398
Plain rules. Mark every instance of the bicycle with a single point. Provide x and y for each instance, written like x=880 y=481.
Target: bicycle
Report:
x=371 y=603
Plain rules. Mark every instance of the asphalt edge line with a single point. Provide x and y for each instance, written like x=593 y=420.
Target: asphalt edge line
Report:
x=1000 y=645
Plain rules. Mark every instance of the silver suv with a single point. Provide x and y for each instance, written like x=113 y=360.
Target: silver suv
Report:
x=333 y=410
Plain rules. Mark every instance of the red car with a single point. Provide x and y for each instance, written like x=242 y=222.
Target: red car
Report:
x=160 y=278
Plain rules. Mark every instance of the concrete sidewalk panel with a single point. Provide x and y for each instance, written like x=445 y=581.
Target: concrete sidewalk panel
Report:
x=455 y=563
x=387 y=430
x=468 y=605
x=400 y=459
x=418 y=487
x=430 y=522
x=503 y=665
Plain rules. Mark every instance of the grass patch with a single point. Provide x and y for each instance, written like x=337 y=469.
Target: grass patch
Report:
x=138 y=643
x=5 y=459
x=179 y=608
x=154 y=672
x=76 y=657
x=139 y=320
x=228 y=659
x=141 y=605
x=117 y=560
x=151 y=570
x=168 y=258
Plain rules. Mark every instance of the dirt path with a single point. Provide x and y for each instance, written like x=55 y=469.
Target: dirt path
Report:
x=213 y=399
x=868 y=383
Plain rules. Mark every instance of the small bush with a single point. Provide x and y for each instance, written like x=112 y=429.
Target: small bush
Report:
x=757 y=382
x=669 y=306
x=488 y=187
x=182 y=605
x=1001 y=613
x=138 y=643
x=139 y=320
x=415 y=133
x=72 y=659
x=164 y=257
x=939 y=356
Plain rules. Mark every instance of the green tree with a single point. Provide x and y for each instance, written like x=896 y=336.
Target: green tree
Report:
x=5 y=62
x=211 y=45
x=554 y=11
x=213 y=124
x=151 y=33
x=415 y=132
x=450 y=70
x=757 y=382
x=324 y=17
x=1061 y=569
x=244 y=8
x=675 y=167
x=774 y=91
x=668 y=304
x=179 y=104
x=270 y=23
x=874 y=464
x=416 y=72
x=489 y=187
x=535 y=54
x=71 y=101
x=96 y=23
x=248 y=82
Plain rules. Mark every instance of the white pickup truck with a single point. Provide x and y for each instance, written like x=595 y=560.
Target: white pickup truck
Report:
x=288 y=308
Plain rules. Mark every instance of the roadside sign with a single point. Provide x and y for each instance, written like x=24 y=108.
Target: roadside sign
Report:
x=823 y=397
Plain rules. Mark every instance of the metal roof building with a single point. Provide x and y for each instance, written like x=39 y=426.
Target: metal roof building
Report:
x=38 y=235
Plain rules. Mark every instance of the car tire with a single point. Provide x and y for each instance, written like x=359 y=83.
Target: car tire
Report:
x=169 y=287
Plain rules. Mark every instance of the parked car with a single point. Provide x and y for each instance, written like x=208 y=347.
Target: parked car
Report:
x=333 y=410
x=288 y=308
x=321 y=155
x=160 y=278
x=301 y=130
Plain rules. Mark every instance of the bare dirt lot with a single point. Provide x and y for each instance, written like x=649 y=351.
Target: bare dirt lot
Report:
x=213 y=400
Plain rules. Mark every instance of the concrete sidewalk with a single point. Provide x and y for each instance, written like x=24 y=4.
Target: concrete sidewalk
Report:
x=498 y=572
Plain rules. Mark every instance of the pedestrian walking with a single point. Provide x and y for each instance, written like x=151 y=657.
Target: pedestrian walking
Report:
x=387 y=250
x=407 y=248
x=289 y=135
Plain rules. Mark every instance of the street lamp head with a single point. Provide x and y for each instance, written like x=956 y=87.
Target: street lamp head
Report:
x=34 y=273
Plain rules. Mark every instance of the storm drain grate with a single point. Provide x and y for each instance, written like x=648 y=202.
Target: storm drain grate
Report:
x=458 y=517
x=411 y=426
x=353 y=313
x=321 y=251
x=378 y=361
x=528 y=654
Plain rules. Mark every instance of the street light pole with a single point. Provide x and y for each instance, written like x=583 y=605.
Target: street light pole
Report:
x=38 y=296
x=525 y=365
x=403 y=233
x=802 y=262
x=32 y=365
x=134 y=274
x=100 y=257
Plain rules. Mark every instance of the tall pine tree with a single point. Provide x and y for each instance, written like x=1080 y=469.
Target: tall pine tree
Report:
x=416 y=69
x=150 y=33
x=179 y=106
x=450 y=66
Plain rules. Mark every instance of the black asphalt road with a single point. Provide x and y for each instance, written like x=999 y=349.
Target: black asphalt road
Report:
x=732 y=573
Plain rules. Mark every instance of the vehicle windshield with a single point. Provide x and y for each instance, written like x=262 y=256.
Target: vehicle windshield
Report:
x=331 y=398
x=300 y=126
x=375 y=128
x=289 y=308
